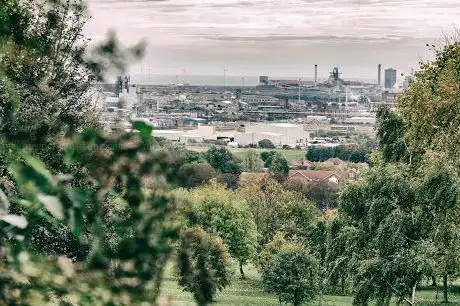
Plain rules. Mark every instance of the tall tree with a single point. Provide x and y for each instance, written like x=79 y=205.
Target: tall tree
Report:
x=390 y=135
x=221 y=212
x=46 y=69
x=277 y=210
x=279 y=167
x=384 y=217
x=203 y=263
x=438 y=194
x=252 y=162
x=430 y=106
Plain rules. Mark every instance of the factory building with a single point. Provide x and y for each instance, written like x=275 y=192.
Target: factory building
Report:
x=390 y=78
x=278 y=133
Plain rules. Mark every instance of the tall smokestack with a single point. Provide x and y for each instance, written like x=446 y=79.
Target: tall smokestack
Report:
x=316 y=74
x=379 y=73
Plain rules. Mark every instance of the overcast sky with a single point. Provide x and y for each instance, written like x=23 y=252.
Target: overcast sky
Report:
x=277 y=37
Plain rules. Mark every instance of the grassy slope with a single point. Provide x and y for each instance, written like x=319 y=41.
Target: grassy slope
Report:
x=248 y=292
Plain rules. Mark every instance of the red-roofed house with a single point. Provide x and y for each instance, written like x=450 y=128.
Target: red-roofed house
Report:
x=300 y=164
x=314 y=176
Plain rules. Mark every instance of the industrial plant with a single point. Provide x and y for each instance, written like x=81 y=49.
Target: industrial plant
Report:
x=285 y=111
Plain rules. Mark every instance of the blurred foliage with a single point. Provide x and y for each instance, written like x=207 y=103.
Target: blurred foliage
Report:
x=47 y=69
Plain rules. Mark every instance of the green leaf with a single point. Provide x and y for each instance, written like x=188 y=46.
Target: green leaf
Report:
x=37 y=165
x=18 y=221
x=53 y=205
x=144 y=128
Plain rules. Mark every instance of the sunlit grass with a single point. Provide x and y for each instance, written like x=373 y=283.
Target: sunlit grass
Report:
x=249 y=292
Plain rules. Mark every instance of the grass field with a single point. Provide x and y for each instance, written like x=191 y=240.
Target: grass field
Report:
x=239 y=152
x=249 y=292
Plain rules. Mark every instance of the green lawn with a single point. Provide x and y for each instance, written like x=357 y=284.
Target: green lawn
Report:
x=239 y=152
x=244 y=292
x=248 y=292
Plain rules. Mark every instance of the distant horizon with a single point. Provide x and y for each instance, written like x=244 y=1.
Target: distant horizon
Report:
x=218 y=80
x=267 y=37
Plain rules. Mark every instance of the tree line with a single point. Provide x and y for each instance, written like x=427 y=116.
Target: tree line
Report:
x=351 y=153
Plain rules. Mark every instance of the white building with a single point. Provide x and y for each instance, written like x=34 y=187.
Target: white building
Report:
x=201 y=133
x=278 y=133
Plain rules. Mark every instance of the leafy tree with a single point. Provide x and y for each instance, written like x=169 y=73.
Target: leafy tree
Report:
x=429 y=107
x=266 y=144
x=437 y=192
x=279 y=167
x=251 y=161
x=229 y=180
x=46 y=69
x=409 y=199
x=292 y=275
x=195 y=174
x=267 y=156
x=221 y=159
x=390 y=135
x=276 y=210
x=219 y=211
x=323 y=194
x=383 y=234
x=46 y=72
x=272 y=249
x=203 y=264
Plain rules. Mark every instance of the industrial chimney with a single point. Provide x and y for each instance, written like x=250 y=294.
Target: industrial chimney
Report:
x=316 y=74
x=379 y=72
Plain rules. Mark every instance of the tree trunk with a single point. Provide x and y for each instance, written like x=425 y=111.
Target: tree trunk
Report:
x=342 y=284
x=241 y=270
x=413 y=295
x=444 y=289
x=296 y=300
x=433 y=281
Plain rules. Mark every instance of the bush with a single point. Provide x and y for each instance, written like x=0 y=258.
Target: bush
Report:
x=221 y=159
x=267 y=156
x=194 y=174
x=292 y=275
x=266 y=144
